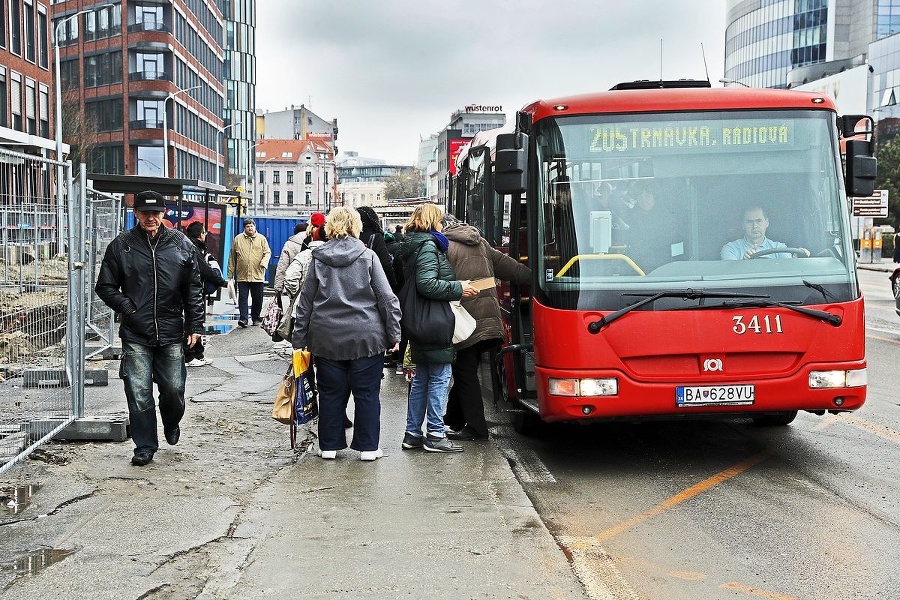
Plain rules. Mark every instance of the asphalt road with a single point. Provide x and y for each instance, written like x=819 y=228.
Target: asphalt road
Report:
x=711 y=510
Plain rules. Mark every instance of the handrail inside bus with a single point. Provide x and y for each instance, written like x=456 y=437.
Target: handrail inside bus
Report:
x=600 y=256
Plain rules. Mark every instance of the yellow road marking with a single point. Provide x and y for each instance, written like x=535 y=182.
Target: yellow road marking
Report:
x=684 y=495
x=883 y=339
x=733 y=585
x=879 y=430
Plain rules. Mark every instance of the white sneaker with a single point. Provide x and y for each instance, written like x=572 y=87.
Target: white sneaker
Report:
x=371 y=454
x=328 y=454
x=199 y=362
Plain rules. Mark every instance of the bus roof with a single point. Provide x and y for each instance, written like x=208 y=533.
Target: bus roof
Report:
x=678 y=100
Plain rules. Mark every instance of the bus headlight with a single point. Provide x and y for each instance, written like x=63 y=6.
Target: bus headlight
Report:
x=584 y=387
x=838 y=379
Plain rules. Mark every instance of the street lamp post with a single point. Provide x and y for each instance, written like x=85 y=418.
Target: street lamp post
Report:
x=219 y=148
x=166 y=126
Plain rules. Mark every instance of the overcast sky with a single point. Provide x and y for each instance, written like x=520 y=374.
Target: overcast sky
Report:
x=393 y=71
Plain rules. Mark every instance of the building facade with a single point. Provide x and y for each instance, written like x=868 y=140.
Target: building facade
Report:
x=361 y=181
x=298 y=123
x=239 y=116
x=766 y=40
x=293 y=177
x=144 y=84
x=27 y=118
x=463 y=125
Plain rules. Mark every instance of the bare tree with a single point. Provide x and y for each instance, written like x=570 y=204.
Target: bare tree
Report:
x=80 y=131
x=408 y=183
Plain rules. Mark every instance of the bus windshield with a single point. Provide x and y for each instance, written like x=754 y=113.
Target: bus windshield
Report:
x=752 y=202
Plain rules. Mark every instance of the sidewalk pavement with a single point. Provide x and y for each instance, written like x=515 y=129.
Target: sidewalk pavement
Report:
x=883 y=264
x=231 y=512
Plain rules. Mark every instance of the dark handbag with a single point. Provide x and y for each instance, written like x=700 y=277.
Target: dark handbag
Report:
x=425 y=321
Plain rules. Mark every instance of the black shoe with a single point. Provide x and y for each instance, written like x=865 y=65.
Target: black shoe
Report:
x=242 y=324
x=172 y=435
x=465 y=434
x=411 y=442
x=141 y=458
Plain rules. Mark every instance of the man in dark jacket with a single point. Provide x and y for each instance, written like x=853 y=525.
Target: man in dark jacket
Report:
x=151 y=278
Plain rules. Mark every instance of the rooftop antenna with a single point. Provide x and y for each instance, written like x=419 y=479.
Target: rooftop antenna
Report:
x=660 y=59
x=705 y=66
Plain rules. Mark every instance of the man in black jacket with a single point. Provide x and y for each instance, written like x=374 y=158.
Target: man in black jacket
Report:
x=150 y=276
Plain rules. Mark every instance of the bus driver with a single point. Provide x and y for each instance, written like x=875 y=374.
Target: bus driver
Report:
x=755 y=224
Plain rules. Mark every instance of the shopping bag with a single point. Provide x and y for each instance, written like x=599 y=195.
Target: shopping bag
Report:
x=284 y=397
x=306 y=399
x=464 y=323
x=272 y=316
x=232 y=292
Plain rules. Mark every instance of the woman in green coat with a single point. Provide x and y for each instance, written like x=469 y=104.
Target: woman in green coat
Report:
x=423 y=253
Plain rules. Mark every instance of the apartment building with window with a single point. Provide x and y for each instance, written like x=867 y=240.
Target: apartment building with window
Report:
x=293 y=177
x=141 y=74
x=26 y=77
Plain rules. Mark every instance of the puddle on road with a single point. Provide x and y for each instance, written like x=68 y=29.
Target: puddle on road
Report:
x=17 y=499
x=34 y=562
x=220 y=324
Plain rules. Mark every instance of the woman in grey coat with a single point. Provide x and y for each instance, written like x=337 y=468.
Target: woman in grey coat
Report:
x=347 y=316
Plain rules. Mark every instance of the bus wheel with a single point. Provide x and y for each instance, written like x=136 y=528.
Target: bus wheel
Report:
x=778 y=419
x=527 y=422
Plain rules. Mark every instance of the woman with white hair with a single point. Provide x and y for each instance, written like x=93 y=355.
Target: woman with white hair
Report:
x=347 y=316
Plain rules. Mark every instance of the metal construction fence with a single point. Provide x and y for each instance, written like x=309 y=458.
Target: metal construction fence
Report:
x=53 y=240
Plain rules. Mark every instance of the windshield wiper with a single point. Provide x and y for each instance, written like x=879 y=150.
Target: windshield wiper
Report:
x=688 y=294
x=820 y=289
x=830 y=318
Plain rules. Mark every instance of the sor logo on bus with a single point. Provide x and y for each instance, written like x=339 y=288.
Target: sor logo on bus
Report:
x=757 y=324
x=712 y=364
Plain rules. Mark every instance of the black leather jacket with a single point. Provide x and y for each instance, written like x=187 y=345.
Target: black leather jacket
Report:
x=155 y=287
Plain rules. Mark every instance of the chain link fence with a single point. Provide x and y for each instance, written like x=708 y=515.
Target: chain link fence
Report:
x=52 y=243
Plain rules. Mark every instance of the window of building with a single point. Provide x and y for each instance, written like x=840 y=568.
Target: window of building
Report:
x=148 y=113
x=107 y=114
x=2 y=29
x=290 y=198
x=307 y=199
x=309 y=178
x=149 y=65
x=103 y=69
x=103 y=23
x=262 y=199
x=44 y=113
x=3 y=99
x=28 y=14
x=30 y=107
x=262 y=176
x=148 y=17
x=150 y=161
x=43 y=44
x=107 y=159
x=276 y=197
x=276 y=176
x=15 y=101
x=290 y=177
x=325 y=177
x=15 y=29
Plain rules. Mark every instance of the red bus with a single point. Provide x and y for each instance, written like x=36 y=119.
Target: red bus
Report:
x=690 y=250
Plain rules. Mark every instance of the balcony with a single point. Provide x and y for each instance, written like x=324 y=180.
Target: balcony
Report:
x=146 y=124
x=149 y=76
x=148 y=26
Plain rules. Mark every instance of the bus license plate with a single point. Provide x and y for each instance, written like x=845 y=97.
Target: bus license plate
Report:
x=706 y=395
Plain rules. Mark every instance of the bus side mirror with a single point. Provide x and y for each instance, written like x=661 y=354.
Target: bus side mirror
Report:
x=511 y=163
x=861 y=168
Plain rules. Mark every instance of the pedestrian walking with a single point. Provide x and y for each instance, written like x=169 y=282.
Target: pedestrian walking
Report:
x=473 y=258
x=151 y=278
x=212 y=280
x=247 y=264
x=347 y=316
x=423 y=252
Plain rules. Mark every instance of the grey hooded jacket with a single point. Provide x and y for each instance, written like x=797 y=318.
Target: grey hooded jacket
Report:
x=346 y=308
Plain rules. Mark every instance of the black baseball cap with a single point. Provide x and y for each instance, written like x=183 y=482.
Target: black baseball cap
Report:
x=150 y=201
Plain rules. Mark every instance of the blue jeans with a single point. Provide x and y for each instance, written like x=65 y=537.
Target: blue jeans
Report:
x=428 y=398
x=255 y=290
x=336 y=379
x=140 y=367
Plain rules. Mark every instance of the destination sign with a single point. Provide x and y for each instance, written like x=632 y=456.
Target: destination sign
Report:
x=685 y=135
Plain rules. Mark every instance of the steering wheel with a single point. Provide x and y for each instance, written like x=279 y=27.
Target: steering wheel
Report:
x=795 y=251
